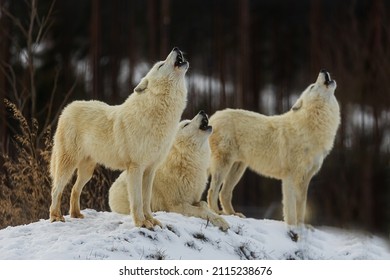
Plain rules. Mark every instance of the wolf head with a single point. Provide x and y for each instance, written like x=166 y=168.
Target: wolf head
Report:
x=322 y=91
x=173 y=68
x=195 y=131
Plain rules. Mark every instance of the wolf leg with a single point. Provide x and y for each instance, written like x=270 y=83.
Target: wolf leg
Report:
x=134 y=188
x=289 y=202
x=201 y=210
x=62 y=171
x=226 y=194
x=147 y=187
x=84 y=174
x=218 y=171
x=301 y=199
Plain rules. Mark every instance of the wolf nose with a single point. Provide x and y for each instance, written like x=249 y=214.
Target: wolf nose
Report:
x=326 y=77
x=176 y=49
x=201 y=112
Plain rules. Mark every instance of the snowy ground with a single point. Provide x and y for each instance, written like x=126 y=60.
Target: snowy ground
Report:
x=106 y=235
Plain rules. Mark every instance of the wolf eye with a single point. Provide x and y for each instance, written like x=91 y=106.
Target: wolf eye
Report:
x=311 y=87
x=160 y=66
x=185 y=125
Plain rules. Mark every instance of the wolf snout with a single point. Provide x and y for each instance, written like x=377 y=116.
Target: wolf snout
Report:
x=323 y=71
x=202 y=113
x=180 y=60
x=327 y=79
x=205 y=117
x=204 y=123
x=326 y=75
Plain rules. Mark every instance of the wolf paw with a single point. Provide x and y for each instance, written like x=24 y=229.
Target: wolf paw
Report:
x=145 y=223
x=148 y=223
x=232 y=213
x=77 y=215
x=57 y=218
x=221 y=224
x=155 y=222
x=239 y=214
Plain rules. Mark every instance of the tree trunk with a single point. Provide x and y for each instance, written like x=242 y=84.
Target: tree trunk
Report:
x=114 y=50
x=244 y=97
x=219 y=47
x=4 y=86
x=152 y=29
x=165 y=25
x=315 y=21
x=131 y=44
x=95 y=46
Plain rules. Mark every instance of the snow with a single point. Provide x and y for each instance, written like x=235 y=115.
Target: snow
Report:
x=106 y=235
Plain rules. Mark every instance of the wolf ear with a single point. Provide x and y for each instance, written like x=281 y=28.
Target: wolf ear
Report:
x=297 y=105
x=141 y=86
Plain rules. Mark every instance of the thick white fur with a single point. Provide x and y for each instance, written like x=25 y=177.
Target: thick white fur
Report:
x=180 y=180
x=290 y=147
x=135 y=136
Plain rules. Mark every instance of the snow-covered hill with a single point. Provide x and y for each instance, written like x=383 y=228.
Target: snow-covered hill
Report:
x=106 y=235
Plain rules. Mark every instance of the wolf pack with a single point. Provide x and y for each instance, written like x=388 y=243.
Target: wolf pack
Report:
x=167 y=164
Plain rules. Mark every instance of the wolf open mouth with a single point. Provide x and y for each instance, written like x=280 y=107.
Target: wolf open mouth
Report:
x=204 y=124
x=180 y=61
x=328 y=80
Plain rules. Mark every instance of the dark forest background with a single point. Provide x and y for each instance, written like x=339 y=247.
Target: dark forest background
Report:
x=252 y=54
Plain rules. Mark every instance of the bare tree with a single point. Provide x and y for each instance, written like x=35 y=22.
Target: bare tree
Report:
x=24 y=91
x=34 y=33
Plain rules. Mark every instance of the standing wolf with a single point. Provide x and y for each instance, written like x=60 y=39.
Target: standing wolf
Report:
x=290 y=147
x=181 y=179
x=135 y=136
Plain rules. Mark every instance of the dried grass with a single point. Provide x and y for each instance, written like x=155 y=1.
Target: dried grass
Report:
x=25 y=182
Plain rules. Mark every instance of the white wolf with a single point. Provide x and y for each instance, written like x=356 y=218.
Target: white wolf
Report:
x=181 y=179
x=290 y=147
x=135 y=136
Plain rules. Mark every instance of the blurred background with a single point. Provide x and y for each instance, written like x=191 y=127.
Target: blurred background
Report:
x=253 y=54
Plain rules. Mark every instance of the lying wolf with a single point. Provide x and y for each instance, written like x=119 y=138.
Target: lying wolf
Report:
x=181 y=179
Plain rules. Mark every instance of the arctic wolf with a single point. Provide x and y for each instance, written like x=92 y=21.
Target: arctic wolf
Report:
x=290 y=147
x=182 y=177
x=135 y=136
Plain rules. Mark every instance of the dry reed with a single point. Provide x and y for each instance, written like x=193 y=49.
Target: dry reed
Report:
x=25 y=182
